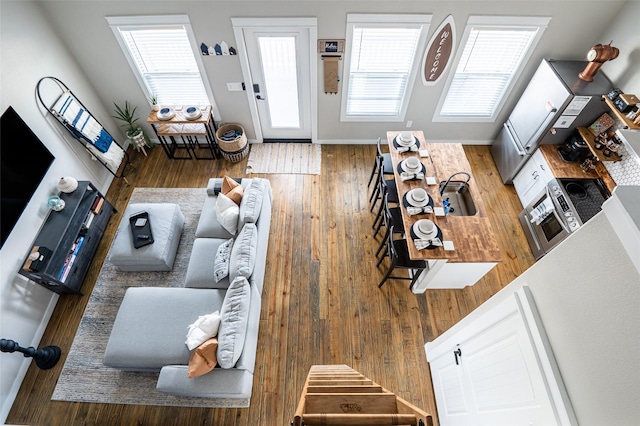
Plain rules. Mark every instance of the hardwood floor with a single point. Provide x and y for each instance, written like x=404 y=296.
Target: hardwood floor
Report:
x=321 y=304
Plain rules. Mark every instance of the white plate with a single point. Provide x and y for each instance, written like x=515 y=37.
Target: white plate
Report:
x=413 y=202
x=192 y=112
x=166 y=113
x=401 y=142
x=430 y=236
x=408 y=170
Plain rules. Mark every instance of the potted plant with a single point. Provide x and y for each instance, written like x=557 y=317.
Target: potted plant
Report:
x=153 y=100
x=134 y=132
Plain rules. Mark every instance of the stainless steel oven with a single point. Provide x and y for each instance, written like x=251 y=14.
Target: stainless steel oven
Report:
x=560 y=209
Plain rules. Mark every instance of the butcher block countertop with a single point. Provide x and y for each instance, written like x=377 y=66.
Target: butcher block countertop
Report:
x=572 y=170
x=472 y=236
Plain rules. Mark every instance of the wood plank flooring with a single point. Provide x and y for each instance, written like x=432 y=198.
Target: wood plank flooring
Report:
x=321 y=304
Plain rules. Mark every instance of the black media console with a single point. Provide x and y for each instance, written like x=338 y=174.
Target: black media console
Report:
x=64 y=248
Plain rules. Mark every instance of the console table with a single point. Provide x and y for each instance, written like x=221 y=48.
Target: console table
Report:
x=203 y=127
x=64 y=247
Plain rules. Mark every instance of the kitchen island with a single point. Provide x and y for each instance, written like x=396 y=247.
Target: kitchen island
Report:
x=475 y=251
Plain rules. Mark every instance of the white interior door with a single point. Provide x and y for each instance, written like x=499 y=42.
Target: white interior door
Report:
x=278 y=67
x=492 y=376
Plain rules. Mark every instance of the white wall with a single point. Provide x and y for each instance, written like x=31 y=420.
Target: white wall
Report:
x=30 y=50
x=572 y=31
x=587 y=291
x=625 y=69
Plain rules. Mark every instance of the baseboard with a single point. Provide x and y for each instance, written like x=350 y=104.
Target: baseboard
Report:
x=22 y=372
x=373 y=142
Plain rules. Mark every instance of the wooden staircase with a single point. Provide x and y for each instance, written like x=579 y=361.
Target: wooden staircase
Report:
x=339 y=395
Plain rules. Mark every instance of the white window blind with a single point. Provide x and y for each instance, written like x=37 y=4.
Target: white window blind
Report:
x=486 y=67
x=164 y=58
x=491 y=56
x=381 y=60
x=380 y=65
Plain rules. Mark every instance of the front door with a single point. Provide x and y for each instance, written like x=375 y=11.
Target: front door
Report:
x=278 y=66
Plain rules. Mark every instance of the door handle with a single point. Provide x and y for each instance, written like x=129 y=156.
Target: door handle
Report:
x=457 y=353
x=513 y=140
x=260 y=98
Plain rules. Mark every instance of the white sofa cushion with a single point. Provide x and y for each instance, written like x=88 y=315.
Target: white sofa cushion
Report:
x=251 y=203
x=233 y=326
x=244 y=252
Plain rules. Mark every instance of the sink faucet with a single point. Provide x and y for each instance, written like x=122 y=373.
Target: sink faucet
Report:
x=442 y=189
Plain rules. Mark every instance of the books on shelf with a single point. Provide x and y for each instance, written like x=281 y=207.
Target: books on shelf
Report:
x=97 y=205
x=88 y=219
x=68 y=263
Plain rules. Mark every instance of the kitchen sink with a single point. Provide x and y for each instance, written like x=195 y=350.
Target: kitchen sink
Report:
x=458 y=194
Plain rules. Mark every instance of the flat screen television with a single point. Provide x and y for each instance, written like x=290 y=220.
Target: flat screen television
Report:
x=24 y=160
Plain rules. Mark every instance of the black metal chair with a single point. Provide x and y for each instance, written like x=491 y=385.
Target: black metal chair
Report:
x=392 y=217
x=398 y=254
x=382 y=163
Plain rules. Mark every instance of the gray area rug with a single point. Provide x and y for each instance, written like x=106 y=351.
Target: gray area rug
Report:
x=285 y=158
x=84 y=378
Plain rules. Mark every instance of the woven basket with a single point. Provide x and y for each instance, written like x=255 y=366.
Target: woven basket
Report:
x=235 y=150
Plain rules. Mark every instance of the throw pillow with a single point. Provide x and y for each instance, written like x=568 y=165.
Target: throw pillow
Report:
x=234 y=319
x=205 y=327
x=232 y=189
x=203 y=359
x=221 y=262
x=251 y=203
x=243 y=252
x=227 y=212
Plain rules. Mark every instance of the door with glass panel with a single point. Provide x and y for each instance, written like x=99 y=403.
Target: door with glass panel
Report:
x=279 y=67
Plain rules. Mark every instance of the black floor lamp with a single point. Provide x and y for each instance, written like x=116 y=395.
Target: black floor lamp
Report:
x=45 y=358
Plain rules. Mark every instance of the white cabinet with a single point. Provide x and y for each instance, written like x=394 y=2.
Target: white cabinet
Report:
x=496 y=371
x=532 y=178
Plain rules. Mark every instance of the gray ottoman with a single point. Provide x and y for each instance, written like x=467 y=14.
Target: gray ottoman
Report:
x=166 y=221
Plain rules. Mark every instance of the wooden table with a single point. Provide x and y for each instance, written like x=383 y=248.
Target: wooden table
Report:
x=188 y=131
x=472 y=236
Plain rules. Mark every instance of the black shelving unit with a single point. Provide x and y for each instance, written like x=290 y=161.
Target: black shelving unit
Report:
x=68 y=240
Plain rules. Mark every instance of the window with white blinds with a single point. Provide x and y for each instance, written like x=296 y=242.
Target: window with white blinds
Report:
x=381 y=63
x=492 y=57
x=162 y=55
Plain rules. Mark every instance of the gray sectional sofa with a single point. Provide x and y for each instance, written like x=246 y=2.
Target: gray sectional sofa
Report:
x=151 y=325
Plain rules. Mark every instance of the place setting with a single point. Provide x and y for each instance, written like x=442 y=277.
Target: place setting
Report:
x=417 y=201
x=411 y=169
x=405 y=142
x=426 y=234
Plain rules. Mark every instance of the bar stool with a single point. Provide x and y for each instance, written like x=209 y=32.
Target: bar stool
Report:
x=385 y=188
x=392 y=218
x=382 y=163
x=398 y=253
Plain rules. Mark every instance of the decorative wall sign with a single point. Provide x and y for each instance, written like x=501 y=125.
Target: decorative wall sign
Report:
x=331 y=46
x=439 y=52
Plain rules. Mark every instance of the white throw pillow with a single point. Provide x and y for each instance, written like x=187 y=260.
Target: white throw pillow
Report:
x=205 y=327
x=227 y=213
x=233 y=326
x=221 y=262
